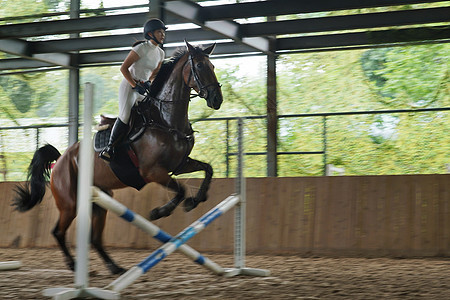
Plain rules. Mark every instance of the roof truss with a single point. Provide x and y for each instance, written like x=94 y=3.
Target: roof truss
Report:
x=309 y=27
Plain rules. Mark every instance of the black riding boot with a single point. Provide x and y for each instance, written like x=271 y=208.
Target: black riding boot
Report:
x=118 y=132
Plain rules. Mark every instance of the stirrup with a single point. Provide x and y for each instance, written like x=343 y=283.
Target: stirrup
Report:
x=107 y=154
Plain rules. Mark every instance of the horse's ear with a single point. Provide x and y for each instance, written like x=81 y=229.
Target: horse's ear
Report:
x=210 y=49
x=190 y=47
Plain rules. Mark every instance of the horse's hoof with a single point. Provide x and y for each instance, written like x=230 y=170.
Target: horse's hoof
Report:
x=118 y=271
x=189 y=204
x=71 y=266
x=154 y=214
x=158 y=213
x=115 y=269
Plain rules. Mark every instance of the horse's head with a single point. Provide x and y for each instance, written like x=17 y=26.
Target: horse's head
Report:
x=201 y=77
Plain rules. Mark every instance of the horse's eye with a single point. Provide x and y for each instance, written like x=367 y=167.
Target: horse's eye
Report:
x=199 y=65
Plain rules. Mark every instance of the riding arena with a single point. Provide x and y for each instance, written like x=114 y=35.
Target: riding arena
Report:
x=134 y=223
x=372 y=237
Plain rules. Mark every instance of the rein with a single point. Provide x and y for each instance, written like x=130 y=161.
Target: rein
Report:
x=203 y=91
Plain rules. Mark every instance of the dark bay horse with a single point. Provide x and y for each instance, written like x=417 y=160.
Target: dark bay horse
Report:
x=161 y=151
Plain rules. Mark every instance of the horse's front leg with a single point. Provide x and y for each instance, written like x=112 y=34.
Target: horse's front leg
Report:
x=193 y=165
x=168 y=208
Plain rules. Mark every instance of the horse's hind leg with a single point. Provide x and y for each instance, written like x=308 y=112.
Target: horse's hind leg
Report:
x=169 y=207
x=98 y=224
x=59 y=232
x=193 y=165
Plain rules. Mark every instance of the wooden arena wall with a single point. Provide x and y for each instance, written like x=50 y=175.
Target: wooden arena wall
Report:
x=400 y=216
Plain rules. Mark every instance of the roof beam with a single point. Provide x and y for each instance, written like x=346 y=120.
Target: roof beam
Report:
x=117 y=41
x=15 y=46
x=72 y=25
x=22 y=48
x=365 y=39
x=193 y=12
x=284 y=45
x=216 y=25
x=57 y=59
x=179 y=10
x=230 y=30
x=21 y=63
x=349 y=22
x=78 y=25
x=118 y=56
x=289 y=7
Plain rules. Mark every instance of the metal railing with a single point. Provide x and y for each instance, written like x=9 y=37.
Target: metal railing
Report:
x=323 y=116
x=9 y=137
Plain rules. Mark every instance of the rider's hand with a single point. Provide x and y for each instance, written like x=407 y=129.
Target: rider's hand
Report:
x=140 y=88
x=148 y=86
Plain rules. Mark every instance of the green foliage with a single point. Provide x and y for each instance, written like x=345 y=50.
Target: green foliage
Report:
x=25 y=7
x=323 y=82
x=17 y=165
x=106 y=81
x=34 y=96
x=417 y=76
x=31 y=7
x=19 y=93
x=374 y=60
x=376 y=79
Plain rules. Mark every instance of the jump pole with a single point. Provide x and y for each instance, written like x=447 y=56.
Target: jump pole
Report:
x=168 y=248
x=10 y=265
x=107 y=202
x=85 y=193
x=235 y=200
x=84 y=209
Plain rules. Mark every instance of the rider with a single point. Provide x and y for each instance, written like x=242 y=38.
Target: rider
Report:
x=138 y=69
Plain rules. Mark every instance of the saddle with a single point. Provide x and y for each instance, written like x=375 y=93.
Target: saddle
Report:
x=138 y=122
x=125 y=164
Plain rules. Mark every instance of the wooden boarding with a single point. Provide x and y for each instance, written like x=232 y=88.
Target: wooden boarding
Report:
x=405 y=216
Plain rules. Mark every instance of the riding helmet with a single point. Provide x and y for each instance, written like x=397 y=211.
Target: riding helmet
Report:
x=152 y=25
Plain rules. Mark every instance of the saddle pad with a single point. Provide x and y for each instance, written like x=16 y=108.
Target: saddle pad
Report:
x=101 y=139
x=124 y=165
x=125 y=169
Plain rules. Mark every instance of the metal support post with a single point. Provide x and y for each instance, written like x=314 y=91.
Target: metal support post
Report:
x=239 y=221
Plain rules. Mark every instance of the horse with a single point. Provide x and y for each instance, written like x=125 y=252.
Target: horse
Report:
x=162 y=151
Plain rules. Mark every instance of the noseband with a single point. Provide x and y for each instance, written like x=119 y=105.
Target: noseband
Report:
x=203 y=89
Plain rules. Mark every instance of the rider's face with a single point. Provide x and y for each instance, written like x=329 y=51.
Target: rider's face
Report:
x=159 y=35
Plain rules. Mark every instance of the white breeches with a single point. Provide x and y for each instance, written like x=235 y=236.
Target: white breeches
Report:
x=127 y=98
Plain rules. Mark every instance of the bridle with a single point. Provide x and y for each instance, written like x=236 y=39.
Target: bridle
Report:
x=203 y=89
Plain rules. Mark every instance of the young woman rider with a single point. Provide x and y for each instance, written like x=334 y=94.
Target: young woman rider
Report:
x=138 y=69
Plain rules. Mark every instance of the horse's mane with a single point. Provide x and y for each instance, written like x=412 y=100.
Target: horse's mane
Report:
x=167 y=68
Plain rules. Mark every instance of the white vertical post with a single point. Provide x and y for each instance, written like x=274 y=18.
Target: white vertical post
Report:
x=84 y=205
x=84 y=209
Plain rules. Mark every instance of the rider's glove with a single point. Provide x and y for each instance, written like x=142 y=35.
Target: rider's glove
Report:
x=140 y=88
x=148 y=86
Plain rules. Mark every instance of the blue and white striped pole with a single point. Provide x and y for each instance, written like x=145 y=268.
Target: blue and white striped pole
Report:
x=176 y=242
x=107 y=202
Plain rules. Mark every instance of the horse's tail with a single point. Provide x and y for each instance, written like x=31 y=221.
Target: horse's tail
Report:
x=33 y=192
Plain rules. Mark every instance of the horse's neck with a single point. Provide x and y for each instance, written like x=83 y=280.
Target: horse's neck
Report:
x=174 y=98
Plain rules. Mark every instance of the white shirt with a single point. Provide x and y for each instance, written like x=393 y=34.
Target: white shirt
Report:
x=149 y=58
